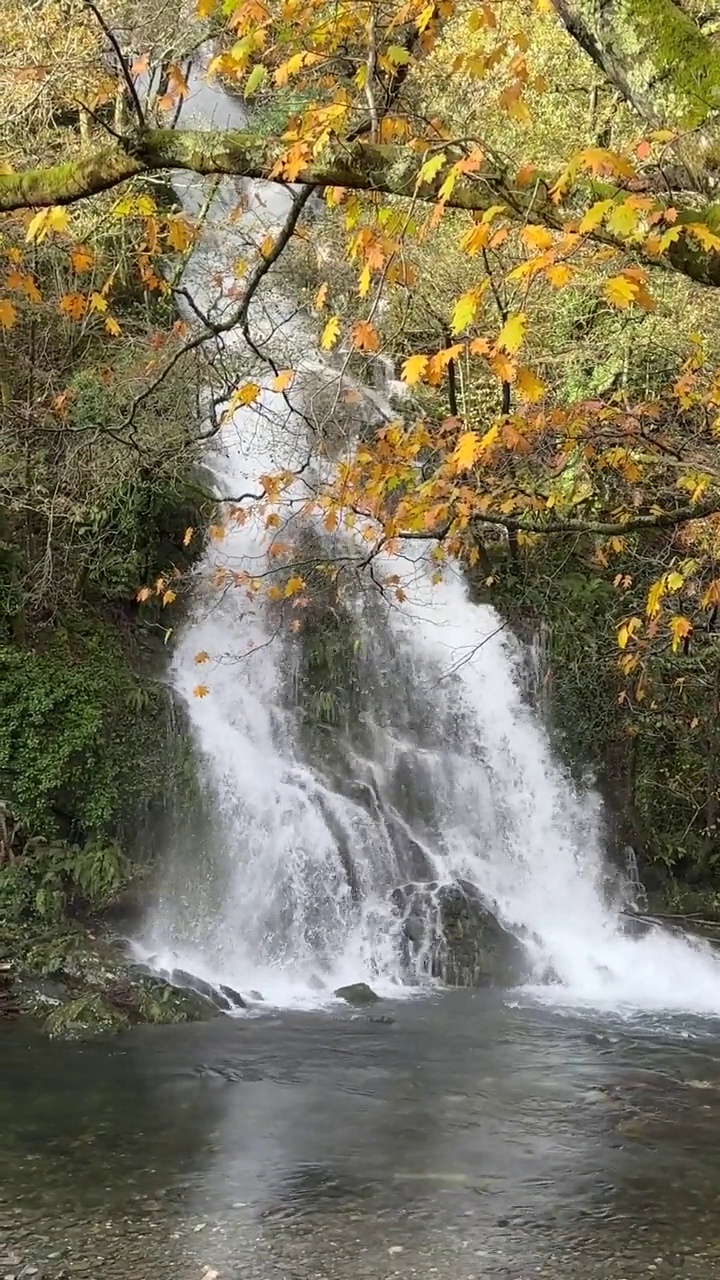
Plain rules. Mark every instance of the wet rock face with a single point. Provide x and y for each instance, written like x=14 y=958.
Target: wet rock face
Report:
x=451 y=933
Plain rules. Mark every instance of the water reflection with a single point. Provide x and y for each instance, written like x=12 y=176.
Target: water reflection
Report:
x=467 y=1137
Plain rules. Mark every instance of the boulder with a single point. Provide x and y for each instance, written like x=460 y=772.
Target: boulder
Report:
x=190 y=982
x=452 y=933
x=234 y=996
x=358 y=993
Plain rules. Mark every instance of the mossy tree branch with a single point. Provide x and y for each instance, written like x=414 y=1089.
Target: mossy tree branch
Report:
x=358 y=165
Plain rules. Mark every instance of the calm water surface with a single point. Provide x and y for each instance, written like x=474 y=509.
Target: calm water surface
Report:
x=467 y=1139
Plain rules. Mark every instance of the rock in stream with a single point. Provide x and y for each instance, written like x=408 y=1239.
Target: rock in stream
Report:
x=450 y=932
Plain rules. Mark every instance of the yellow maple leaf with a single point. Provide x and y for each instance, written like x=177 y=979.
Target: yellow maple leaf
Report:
x=431 y=167
x=475 y=239
x=200 y=691
x=47 y=220
x=592 y=218
x=24 y=283
x=8 y=314
x=667 y=238
x=623 y=220
x=111 y=326
x=655 y=595
x=73 y=305
x=464 y=311
x=598 y=160
x=413 y=369
x=707 y=238
x=711 y=596
x=283 y=380
x=179 y=234
x=680 y=629
x=202 y=657
x=559 y=274
x=535 y=237
x=529 y=386
x=97 y=302
x=293 y=585
x=247 y=394
x=143 y=594
x=169 y=597
x=365 y=336
x=503 y=367
x=512 y=333
x=621 y=291
x=188 y=536
x=465 y=451
x=330 y=333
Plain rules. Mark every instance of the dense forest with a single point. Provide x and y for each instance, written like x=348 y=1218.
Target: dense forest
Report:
x=514 y=201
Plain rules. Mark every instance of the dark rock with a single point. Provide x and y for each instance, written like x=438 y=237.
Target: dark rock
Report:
x=452 y=933
x=414 y=928
x=384 y=1018
x=181 y=978
x=358 y=993
x=233 y=996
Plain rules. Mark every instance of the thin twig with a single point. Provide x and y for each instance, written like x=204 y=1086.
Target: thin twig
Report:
x=125 y=70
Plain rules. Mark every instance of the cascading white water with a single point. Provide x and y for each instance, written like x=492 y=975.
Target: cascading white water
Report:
x=448 y=773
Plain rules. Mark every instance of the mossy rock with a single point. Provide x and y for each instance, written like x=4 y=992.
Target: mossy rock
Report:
x=91 y=1014
x=74 y=979
x=358 y=993
x=154 y=1000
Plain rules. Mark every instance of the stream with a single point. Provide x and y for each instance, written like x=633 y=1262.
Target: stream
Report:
x=467 y=1138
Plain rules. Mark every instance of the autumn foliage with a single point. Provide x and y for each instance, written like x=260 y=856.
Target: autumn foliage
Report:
x=490 y=447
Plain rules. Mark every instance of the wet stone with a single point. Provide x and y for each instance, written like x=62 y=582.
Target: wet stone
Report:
x=357 y=993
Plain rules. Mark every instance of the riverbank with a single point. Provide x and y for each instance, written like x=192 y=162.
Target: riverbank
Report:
x=76 y=983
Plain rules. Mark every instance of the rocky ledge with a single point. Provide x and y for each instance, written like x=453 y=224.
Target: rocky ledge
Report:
x=77 y=985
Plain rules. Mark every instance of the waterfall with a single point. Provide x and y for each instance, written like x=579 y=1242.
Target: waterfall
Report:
x=439 y=770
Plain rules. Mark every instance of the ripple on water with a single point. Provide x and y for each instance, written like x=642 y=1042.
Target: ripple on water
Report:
x=468 y=1139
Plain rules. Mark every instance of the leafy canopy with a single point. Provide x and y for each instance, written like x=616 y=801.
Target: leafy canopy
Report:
x=461 y=221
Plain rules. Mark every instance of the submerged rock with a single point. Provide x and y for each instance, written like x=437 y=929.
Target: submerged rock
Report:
x=358 y=993
x=452 y=933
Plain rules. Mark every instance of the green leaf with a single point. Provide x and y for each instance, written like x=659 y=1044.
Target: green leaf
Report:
x=257 y=76
x=397 y=56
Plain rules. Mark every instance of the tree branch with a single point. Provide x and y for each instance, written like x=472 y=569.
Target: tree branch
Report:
x=610 y=528
x=358 y=165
